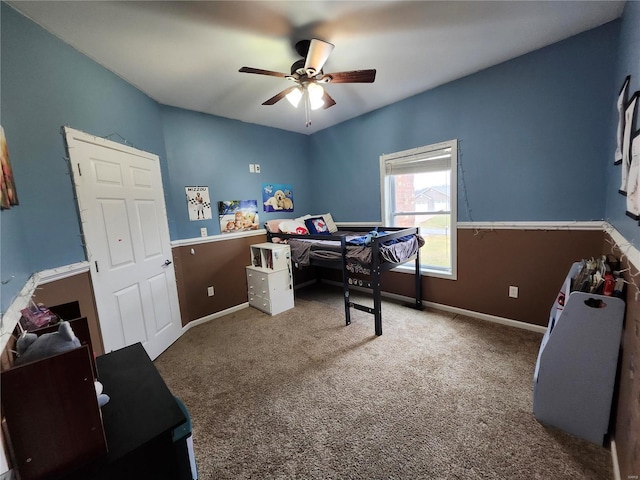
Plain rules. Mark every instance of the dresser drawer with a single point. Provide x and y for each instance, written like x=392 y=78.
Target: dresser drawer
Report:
x=260 y=303
x=257 y=282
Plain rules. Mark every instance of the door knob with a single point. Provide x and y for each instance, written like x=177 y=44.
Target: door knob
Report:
x=167 y=262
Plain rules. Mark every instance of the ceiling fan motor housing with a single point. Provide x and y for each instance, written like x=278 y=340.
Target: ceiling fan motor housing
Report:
x=298 y=67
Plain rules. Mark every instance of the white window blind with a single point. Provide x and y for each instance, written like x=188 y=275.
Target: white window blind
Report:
x=412 y=161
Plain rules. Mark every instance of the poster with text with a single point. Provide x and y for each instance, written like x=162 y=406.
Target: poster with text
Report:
x=198 y=203
x=277 y=197
x=238 y=215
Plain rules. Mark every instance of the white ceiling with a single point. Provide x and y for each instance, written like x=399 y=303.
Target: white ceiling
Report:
x=187 y=54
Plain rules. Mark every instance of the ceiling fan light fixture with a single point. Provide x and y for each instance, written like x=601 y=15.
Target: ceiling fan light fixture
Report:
x=315 y=92
x=294 y=97
x=317 y=56
x=316 y=104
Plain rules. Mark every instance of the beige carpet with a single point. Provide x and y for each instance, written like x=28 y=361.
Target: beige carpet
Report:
x=299 y=395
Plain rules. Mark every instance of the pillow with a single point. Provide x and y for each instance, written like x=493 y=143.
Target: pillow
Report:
x=330 y=223
x=273 y=226
x=293 y=226
x=304 y=217
x=317 y=226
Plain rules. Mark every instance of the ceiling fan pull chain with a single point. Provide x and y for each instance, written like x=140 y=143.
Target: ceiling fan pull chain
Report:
x=307 y=108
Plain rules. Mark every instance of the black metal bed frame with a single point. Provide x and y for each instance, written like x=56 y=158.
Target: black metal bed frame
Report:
x=377 y=268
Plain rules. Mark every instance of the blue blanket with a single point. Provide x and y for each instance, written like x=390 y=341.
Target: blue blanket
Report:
x=366 y=239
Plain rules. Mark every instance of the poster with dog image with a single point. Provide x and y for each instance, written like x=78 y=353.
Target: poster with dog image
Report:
x=277 y=197
x=238 y=215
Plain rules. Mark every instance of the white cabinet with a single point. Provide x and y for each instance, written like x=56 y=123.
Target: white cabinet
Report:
x=269 y=278
x=576 y=369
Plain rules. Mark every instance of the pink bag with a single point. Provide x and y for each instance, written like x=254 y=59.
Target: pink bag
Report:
x=36 y=316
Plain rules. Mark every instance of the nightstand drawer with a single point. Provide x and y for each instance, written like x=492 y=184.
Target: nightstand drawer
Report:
x=260 y=303
x=257 y=282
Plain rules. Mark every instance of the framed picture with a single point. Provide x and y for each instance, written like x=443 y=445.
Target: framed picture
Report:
x=633 y=183
x=277 y=197
x=629 y=123
x=238 y=215
x=8 y=197
x=622 y=101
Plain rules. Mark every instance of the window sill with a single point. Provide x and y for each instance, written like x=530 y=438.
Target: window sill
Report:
x=426 y=272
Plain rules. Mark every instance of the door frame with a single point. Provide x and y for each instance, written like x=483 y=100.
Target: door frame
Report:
x=80 y=136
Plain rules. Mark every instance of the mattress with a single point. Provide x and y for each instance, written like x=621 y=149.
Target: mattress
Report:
x=359 y=257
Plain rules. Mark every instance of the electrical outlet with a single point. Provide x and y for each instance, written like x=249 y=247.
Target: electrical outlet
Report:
x=203 y=232
x=210 y=291
x=513 y=291
x=252 y=168
x=257 y=167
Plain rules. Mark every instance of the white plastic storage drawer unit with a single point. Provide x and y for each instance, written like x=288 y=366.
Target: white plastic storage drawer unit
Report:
x=269 y=278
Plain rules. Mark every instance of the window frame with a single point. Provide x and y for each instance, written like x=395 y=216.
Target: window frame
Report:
x=385 y=187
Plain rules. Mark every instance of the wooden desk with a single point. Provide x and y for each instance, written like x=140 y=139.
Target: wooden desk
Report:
x=138 y=420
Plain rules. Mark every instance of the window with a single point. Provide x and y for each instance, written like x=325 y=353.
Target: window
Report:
x=419 y=190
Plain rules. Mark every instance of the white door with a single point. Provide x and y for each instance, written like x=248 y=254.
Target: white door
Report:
x=123 y=214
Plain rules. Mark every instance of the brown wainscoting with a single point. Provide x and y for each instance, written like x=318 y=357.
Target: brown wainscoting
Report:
x=625 y=413
x=220 y=264
x=489 y=261
x=74 y=288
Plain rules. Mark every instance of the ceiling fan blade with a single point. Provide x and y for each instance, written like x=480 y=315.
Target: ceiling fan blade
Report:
x=317 y=56
x=328 y=101
x=262 y=72
x=356 y=76
x=279 y=96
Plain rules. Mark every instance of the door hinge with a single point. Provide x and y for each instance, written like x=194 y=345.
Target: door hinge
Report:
x=79 y=171
x=97 y=269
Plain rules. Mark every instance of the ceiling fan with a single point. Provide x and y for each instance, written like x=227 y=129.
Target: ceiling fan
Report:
x=308 y=76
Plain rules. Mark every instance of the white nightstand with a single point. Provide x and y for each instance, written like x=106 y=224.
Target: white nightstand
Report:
x=269 y=278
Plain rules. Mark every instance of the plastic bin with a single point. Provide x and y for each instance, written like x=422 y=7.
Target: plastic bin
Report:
x=183 y=441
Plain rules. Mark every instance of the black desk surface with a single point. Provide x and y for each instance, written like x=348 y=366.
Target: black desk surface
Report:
x=141 y=406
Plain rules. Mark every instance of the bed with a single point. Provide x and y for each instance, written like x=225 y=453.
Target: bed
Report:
x=362 y=254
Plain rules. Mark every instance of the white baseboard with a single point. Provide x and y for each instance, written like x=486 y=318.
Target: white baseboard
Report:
x=208 y=318
x=614 y=459
x=459 y=311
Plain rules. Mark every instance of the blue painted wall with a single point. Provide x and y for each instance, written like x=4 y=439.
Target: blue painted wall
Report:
x=533 y=134
x=45 y=85
x=216 y=152
x=628 y=64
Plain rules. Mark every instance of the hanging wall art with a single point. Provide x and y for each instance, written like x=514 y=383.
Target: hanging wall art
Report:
x=277 y=197
x=9 y=197
x=622 y=101
x=629 y=116
x=198 y=203
x=238 y=215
